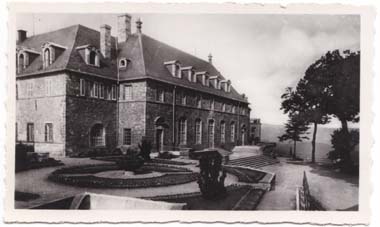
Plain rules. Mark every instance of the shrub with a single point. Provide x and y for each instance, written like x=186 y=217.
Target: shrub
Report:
x=145 y=149
x=211 y=179
x=343 y=144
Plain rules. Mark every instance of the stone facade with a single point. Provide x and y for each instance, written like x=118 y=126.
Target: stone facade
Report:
x=90 y=94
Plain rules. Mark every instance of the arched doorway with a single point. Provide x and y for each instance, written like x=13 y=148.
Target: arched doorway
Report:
x=160 y=126
x=211 y=133
x=97 y=136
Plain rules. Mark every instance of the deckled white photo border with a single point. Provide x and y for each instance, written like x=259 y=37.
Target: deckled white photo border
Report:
x=90 y=216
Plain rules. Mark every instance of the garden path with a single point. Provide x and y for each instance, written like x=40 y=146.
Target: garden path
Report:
x=333 y=190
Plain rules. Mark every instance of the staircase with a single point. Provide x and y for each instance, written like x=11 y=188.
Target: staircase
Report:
x=253 y=161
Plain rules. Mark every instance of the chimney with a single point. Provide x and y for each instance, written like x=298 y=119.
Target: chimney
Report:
x=210 y=58
x=123 y=27
x=105 y=40
x=21 y=36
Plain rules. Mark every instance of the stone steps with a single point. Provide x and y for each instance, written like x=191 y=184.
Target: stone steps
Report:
x=253 y=161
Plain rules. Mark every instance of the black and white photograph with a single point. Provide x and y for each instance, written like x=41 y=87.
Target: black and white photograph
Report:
x=132 y=111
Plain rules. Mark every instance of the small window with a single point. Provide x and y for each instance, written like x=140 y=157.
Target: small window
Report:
x=48 y=84
x=21 y=63
x=183 y=131
x=127 y=136
x=48 y=132
x=82 y=87
x=47 y=58
x=199 y=102
x=128 y=92
x=113 y=92
x=222 y=132
x=95 y=90
x=123 y=63
x=29 y=89
x=160 y=96
x=92 y=58
x=184 y=99
x=233 y=130
x=30 y=132
x=198 y=131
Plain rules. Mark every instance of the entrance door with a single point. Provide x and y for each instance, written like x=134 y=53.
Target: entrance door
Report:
x=211 y=133
x=160 y=139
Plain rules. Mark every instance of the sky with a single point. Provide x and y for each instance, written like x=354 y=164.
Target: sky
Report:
x=261 y=54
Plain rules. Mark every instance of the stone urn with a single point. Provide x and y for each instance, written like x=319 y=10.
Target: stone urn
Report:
x=131 y=160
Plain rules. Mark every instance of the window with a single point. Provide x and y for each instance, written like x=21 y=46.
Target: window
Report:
x=30 y=132
x=123 y=63
x=233 y=131
x=92 y=58
x=29 y=89
x=224 y=107
x=233 y=109
x=183 y=131
x=82 y=87
x=199 y=102
x=21 y=63
x=97 y=136
x=48 y=86
x=160 y=96
x=113 y=92
x=222 y=132
x=47 y=58
x=48 y=132
x=212 y=106
x=198 y=131
x=183 y=99
x=177 y=71
x=101 y=90
x=95 y=90
x=128 y=92
x=16 y=131
x=127 y=136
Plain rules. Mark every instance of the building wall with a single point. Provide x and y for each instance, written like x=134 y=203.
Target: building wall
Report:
x=132 y=112
x=45 y=103
x=156 y=109
x=83 y=112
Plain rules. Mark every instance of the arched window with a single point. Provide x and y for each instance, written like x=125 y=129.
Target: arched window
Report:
x=198 y=131
x=233 y=131
x=21 y=62
x=47 y=59
x=92 y=58
x=123 y=63
x=97 y=136
x=183 y=131
x=222 y=132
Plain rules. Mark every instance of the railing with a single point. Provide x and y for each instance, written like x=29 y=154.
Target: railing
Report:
x=303 y=196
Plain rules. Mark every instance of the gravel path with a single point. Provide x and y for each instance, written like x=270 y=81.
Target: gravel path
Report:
x=334 y=191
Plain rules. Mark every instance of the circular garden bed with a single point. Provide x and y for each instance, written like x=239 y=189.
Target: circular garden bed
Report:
x=85 y=176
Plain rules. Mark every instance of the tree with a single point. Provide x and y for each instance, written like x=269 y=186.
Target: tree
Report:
x=294 y=130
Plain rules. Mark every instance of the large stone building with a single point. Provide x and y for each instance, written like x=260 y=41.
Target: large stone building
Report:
x=80 y=89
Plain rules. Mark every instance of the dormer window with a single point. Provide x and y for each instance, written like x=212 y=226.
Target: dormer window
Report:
x=123 y=63
x=50 y=51
x=174 y=67
x=215 y=82
x=90 y=55
x=92 y=58
x=47 y=58
x=21 y=62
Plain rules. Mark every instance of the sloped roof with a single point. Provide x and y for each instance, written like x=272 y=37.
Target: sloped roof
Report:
x=146 y=58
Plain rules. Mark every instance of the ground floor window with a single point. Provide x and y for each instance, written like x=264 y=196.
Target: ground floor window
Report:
x=30 y=132
x=233 y=130
x=183 y=131
x=48 y=132
x=198 y=131
x=211 y=133
x=127 y=136
x=97 y=136
x=222 y=132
